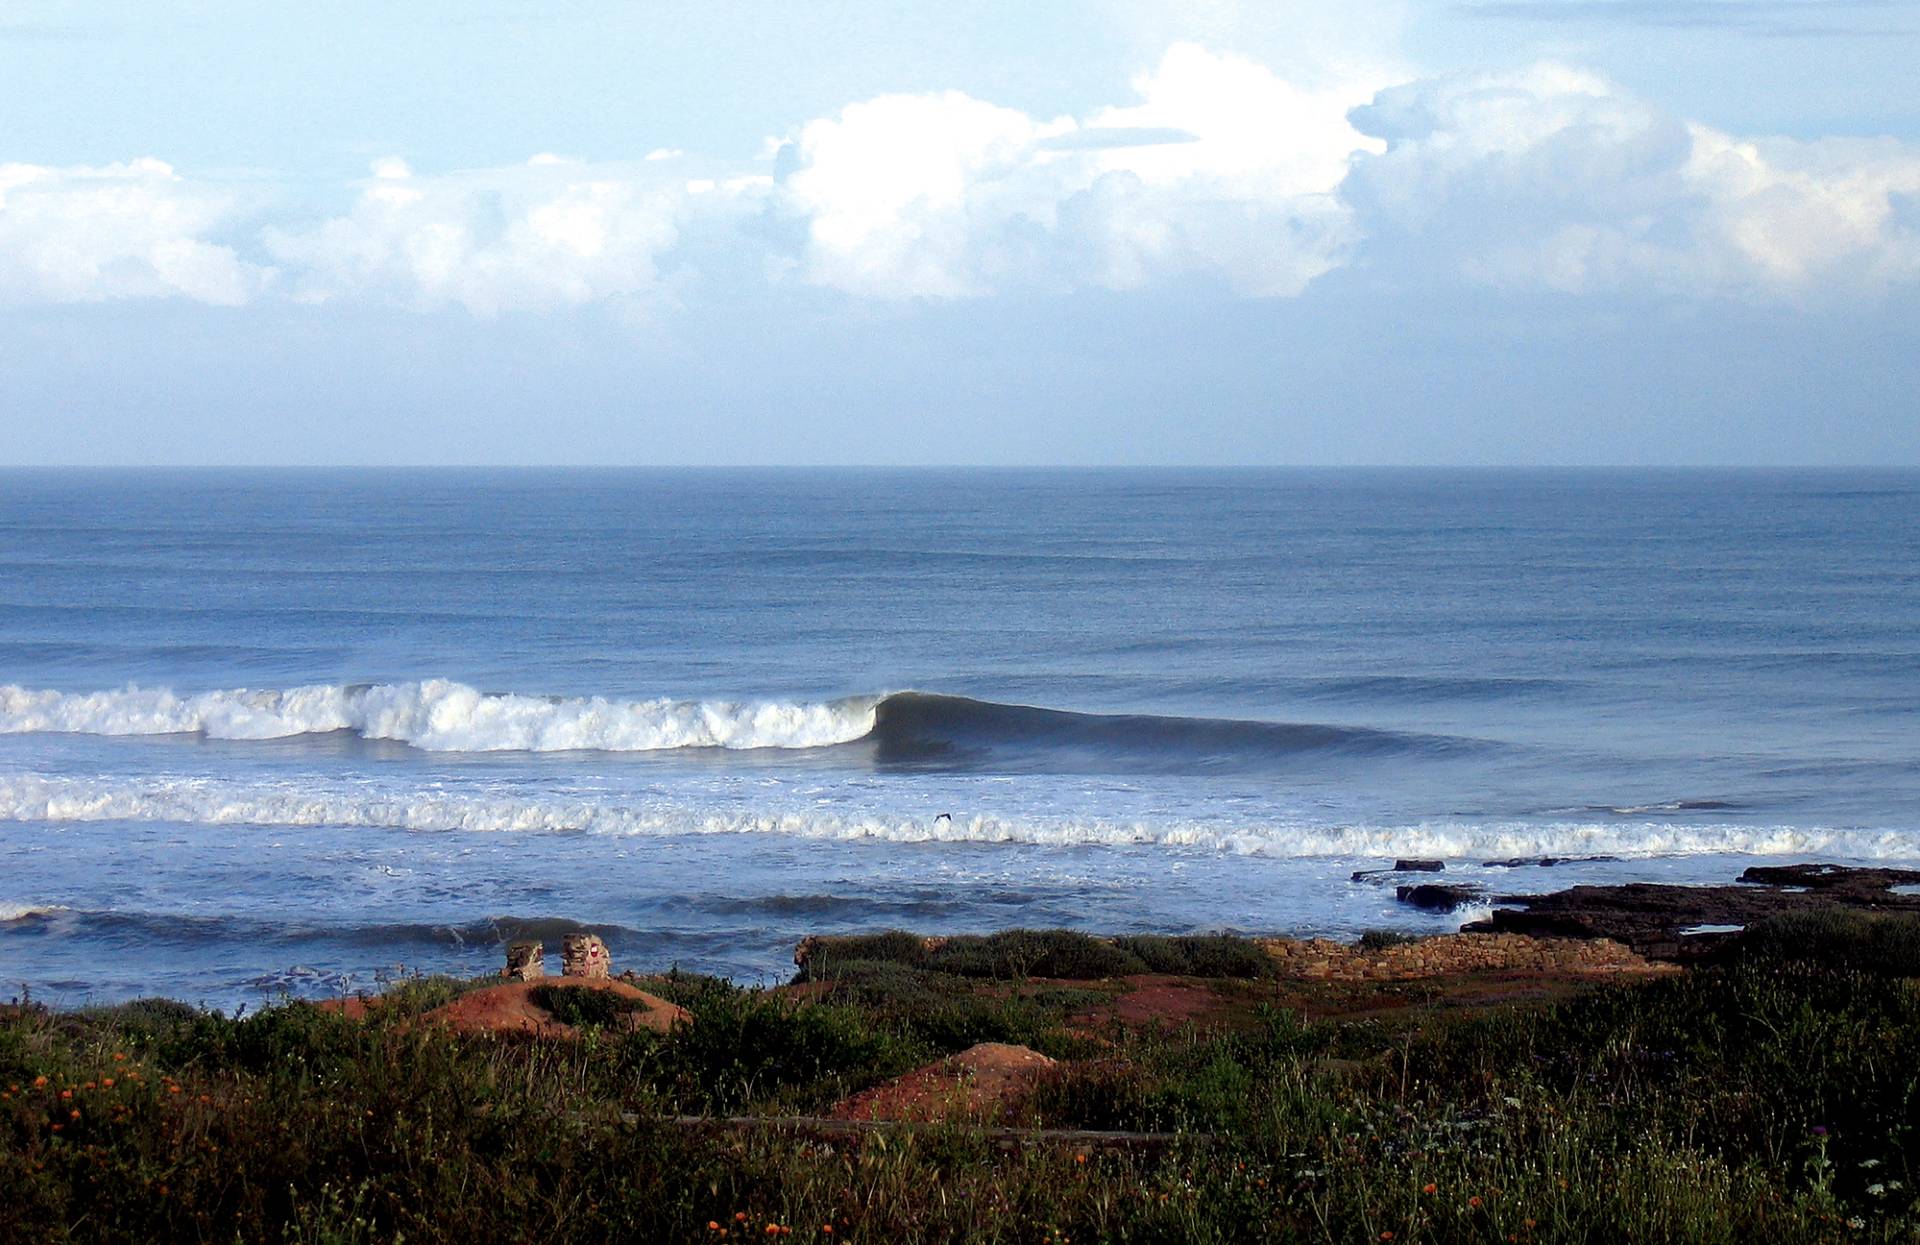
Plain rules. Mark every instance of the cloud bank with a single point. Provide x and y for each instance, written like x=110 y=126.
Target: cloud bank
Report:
x=135 y=230
x=1217 y=170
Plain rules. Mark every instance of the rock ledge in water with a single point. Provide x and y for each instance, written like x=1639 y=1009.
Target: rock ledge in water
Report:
x=1655 y=918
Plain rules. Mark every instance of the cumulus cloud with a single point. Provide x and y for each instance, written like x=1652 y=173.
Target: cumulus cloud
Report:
x=550 y=233
x=135 y=230
x=1552 y=178
x=1219 y=167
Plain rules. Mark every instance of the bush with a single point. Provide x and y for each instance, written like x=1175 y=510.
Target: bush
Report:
x=1021 y=953
x=753 y=1047
x=582 y=1006
x=1385 y=939
x=1875 y=942
x=894 y=946
x=1200 y=955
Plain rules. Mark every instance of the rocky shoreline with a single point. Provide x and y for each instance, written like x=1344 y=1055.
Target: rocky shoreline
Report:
x=1669 y=922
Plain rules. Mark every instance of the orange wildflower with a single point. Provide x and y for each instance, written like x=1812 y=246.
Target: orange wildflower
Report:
x=713 y=1225
x=39 y=1082
x=1429 y=1187
x=108 y=1082
x=66 y=1093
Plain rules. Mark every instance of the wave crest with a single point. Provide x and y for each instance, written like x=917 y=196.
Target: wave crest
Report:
x=440 y=715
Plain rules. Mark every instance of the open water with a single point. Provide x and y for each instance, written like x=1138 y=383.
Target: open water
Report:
x=270 y=732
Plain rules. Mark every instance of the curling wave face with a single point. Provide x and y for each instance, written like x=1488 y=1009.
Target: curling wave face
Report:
x=439 y=715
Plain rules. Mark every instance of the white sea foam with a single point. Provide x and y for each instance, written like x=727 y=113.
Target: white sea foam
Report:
x=24 y=911
x=221 y=802
x=439 y=715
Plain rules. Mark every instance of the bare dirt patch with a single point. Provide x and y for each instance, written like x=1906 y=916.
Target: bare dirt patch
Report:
x=510 y=1008
x=983 y=1083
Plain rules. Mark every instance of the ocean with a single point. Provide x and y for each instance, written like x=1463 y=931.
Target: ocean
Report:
x=298 y=732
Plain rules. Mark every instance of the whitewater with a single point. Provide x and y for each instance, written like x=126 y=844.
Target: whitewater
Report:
x=287 y=732
x=439 y=715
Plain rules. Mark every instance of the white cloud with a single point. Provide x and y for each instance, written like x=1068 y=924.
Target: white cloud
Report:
x=1553 y=178
x=1545 y=177
x=546 y=234
x=945 y=195
x=132 y=230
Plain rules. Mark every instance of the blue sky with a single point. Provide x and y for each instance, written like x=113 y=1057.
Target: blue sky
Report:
x=1530 y=231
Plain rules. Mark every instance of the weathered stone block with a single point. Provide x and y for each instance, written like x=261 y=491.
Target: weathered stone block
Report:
x=584 y=955
x=526 y=961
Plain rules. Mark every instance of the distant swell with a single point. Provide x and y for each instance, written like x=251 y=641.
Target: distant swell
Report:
x=196 y=801
x=439 y=715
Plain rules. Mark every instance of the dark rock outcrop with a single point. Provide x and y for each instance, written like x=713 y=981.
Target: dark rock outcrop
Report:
x=1439 y=896
x=1665 y=921
x=1399 y=866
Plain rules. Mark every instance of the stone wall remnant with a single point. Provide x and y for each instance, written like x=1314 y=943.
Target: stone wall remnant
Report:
x=526 y=961
x=584 y=955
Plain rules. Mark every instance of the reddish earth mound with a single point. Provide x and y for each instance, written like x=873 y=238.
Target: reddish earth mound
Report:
x=509 y=1008
x=983 y=1082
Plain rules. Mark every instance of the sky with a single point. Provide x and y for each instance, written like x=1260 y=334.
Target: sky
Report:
x=1470 y=232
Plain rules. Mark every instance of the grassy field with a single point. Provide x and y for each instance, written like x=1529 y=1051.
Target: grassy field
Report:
x=1772 y=1098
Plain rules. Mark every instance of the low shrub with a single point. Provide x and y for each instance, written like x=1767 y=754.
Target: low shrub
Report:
x=1875 y=942
x=751 y=1047
x=582 y=1006
x=1020 y=953
x=1385 y=939
x=1200 y=955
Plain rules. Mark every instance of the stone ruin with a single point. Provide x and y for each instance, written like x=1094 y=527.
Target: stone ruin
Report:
x=584 y=955
x=526 y=961
x=581 y=955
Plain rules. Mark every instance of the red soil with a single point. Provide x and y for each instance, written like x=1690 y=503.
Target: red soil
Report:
x=983 y=1082
x=506 y=1008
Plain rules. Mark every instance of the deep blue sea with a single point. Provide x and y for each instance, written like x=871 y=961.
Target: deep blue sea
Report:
x=296 y=731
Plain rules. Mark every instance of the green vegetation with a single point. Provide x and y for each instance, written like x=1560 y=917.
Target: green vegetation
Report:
x=571 y=1005
x=1021 y=953
x=1773 y=1098
x=1383 y=939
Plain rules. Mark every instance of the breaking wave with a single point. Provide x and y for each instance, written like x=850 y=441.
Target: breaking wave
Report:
x=217 y=802
x=10 y=912
x=439 y=715
x=905 y=728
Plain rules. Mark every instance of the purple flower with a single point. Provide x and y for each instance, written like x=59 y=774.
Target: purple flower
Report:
x=1819 y=1130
